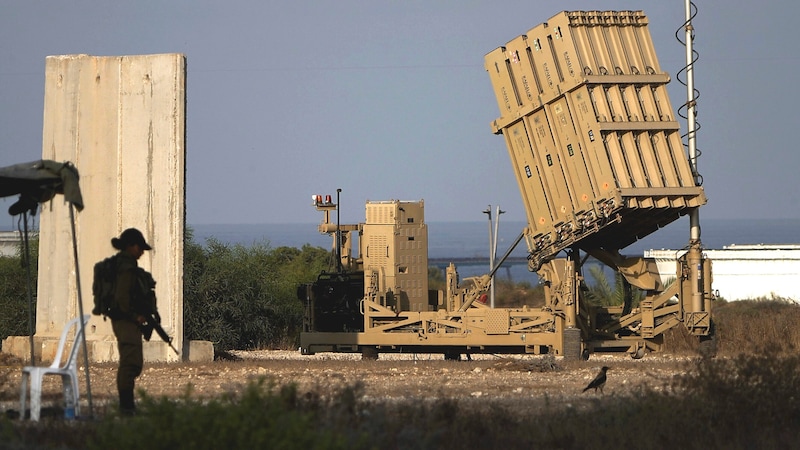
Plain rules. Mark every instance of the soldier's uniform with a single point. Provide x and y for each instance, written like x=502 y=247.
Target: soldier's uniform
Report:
x=130 y=297
x=126 y=329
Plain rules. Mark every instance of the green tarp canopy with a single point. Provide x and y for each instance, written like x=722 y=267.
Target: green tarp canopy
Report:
x=39 y=181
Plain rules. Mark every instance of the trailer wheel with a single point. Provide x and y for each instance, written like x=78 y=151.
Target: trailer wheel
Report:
x=369 y=353
x=452 y=355
x=572 y=344
x=707 y=347
x=639 y=352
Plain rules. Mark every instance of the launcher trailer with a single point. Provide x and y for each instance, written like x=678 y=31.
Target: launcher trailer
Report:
x=595 y=147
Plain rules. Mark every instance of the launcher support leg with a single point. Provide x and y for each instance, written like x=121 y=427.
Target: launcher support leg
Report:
x=571 y=294
x=697 y=276
x=561 y=288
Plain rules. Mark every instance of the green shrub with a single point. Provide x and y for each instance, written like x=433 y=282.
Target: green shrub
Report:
x=602 y=293
x=750 y=326
x=246 y=297
x=262 y=416
x=14 y=284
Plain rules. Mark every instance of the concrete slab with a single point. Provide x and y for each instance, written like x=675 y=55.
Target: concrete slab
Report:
x=121 y=121
x=104 y=351
x=200 y=351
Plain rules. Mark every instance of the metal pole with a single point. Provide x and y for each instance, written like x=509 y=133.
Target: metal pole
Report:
x=80 y=309
x=467 y=304
x=338 y=235
x=26 y=259
x=694 y=216
x=695 y=259
x=494 y=248
x=488 y=212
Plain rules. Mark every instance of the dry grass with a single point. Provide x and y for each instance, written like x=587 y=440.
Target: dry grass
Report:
x=745 y=326
x=744 y=398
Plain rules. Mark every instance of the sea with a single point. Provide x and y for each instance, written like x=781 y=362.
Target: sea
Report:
x=468 y=242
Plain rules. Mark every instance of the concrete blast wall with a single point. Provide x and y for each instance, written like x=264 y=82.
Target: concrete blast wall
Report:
x=121 y=121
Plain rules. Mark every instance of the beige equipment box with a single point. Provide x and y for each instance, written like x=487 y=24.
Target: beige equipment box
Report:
x=394 y=242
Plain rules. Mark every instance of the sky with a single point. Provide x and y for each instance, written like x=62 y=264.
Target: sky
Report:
x=390 y=100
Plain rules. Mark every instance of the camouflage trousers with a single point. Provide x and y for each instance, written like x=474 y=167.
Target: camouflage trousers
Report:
x=131 y=359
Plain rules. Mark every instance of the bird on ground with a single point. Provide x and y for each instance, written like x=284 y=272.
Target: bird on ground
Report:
x=598 y=382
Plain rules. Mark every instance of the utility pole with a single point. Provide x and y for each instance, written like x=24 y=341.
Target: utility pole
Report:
x=338 y=235
x=488 y=212
x=494 y=249
x=492 y=245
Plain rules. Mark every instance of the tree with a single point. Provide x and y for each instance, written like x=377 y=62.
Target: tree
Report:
x=602 y=293
x=246 y=297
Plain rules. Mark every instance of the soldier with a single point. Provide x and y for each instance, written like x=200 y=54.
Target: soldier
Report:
x=126 y=324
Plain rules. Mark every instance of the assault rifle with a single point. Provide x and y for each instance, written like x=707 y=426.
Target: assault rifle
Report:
x=153 y=323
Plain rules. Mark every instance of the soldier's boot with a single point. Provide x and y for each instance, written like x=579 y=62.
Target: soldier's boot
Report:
x=127 y=406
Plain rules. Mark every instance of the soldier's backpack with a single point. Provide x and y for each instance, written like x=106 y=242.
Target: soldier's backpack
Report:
x=103 y=287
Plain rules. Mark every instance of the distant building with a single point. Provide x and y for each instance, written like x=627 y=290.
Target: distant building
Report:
x=745 y=271
x=9 y=243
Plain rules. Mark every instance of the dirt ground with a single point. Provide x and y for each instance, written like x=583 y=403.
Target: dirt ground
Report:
x=514 y=381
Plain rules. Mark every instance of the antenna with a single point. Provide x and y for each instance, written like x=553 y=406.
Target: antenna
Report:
x=694 y=256
x=691 y=113
x=338 y=235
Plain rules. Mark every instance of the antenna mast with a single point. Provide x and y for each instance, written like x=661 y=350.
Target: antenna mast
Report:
x=691 y=104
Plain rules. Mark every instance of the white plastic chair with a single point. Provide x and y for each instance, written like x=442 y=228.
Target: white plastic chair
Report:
x=68 y=372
